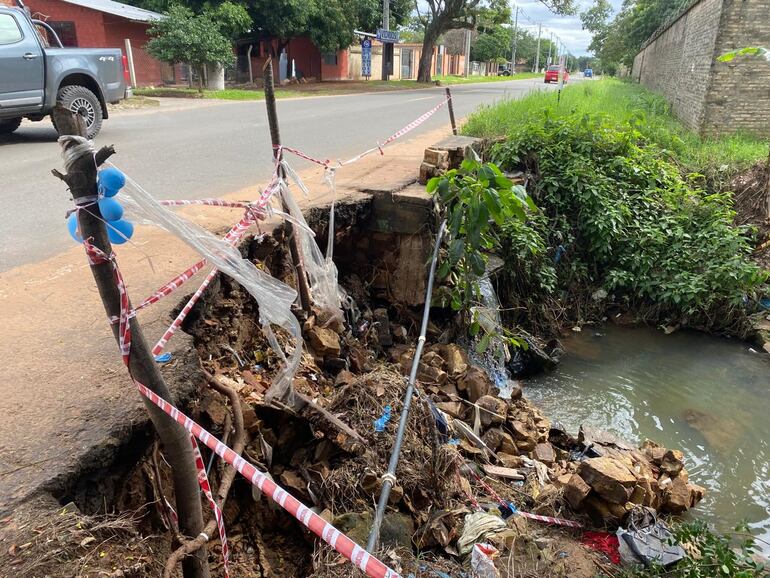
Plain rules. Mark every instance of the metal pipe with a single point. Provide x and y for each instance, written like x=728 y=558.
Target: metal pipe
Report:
x=389 y=478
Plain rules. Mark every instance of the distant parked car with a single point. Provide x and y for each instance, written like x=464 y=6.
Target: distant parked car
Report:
x=552 y=74
x=504 y=71
x=588 y=73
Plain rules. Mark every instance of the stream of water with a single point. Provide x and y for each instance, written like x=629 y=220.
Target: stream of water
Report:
x=707 y=396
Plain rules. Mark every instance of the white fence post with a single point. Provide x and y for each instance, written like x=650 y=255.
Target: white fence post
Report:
x=130 y=58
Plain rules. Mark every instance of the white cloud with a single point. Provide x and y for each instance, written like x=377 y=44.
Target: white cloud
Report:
x=567 y=28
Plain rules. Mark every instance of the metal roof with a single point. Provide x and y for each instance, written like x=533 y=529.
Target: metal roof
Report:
x=118 y=9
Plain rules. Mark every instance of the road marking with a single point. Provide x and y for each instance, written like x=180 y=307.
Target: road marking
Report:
x=423 y=98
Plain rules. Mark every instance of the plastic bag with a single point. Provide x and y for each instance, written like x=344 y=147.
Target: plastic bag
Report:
x=483 y=561
x=274 y=297
x=321 y=271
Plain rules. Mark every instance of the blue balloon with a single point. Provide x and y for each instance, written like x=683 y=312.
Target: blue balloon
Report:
x=111 y=209
x=110 y=181
x=72 y=227
x=120 y=231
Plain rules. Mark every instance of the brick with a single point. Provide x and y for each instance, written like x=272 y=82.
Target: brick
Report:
x=709 y=96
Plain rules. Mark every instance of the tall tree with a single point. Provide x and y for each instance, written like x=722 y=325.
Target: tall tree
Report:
x=445 y=15
x=198 y=39
x=617 y=41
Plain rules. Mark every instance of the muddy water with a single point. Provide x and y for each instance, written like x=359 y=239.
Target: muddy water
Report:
x=709 y=397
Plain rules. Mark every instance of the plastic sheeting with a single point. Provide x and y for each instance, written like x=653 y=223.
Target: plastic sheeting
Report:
x=274 y=297
x=321 y=271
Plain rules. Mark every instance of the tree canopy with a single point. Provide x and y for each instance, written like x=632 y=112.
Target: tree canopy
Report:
x=329 y=23
x=617 y=41
x=198 y=39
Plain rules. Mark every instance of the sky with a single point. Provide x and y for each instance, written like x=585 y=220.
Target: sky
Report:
x=567 y=28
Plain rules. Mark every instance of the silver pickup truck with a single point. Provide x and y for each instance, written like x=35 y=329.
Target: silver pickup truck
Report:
x=35 y=76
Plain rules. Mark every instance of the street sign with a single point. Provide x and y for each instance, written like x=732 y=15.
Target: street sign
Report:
x=387 y=36
x=366 y=57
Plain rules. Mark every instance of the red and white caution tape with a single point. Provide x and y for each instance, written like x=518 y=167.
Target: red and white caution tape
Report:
x=367 y=563
x=258 y=207
x=491 y=491
x=97 y=256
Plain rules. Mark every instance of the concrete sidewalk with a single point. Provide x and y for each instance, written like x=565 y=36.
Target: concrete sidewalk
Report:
x=66 y=398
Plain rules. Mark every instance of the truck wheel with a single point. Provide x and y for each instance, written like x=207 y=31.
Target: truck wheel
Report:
x=9 y=125
x=82 y=101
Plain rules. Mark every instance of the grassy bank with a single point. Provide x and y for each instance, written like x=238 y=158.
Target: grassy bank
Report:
x=622 y=223
x=626 y=105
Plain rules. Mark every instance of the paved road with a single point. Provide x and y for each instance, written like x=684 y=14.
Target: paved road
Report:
x=187 y=150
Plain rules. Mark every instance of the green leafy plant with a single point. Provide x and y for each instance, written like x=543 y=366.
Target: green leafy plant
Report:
x=748 y=51
x=710 y=555
x=475 y=197
x=628 y=222
x=198 y=39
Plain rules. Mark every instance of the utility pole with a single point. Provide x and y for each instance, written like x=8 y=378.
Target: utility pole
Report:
x=550 y=46
x=515 y=41
x=537 y=56
x=386 y=26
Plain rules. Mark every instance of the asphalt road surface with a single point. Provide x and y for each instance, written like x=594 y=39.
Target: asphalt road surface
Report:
x=206 y=149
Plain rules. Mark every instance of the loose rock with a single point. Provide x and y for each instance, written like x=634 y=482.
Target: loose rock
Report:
x=609 y=478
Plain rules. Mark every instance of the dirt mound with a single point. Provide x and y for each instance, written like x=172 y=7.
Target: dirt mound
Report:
x=752 y=205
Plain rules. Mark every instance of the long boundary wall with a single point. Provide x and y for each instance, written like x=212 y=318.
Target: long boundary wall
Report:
x=680 y=62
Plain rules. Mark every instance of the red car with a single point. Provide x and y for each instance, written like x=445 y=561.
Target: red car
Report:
x=552 y=74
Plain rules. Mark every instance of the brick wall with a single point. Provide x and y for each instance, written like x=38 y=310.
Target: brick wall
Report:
x=711 y=97
x=739 y=94
x=89 y=24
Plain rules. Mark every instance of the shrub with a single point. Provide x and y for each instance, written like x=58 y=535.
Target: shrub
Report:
x=627 y=222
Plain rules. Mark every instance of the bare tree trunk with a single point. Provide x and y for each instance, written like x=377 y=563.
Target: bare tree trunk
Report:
x=426 y=56
x=81 y=179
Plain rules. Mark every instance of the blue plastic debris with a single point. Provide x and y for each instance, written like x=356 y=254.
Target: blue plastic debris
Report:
x=507 y=512
x=765 y=303
x=382 y=421
x=163 y=357
x=560 y=250
x=454 y=442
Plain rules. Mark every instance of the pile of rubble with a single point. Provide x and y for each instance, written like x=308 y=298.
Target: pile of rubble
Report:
x=467 y=451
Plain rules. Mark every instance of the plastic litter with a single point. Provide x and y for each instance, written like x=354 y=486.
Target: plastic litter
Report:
x=321 y=271
x=496 y=355
x=274 y=297
x=483 y=561
x=163 y=357
x=647 y=540
x=478 y=526
x=382 y=421
x=603 y=542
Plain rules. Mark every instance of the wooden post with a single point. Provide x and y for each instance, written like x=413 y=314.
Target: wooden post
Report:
x=81 y=179
x=451 y=110
x=275 y=137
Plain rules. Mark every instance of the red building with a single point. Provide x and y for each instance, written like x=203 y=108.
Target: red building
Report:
x=105 y=24
x=302 y=59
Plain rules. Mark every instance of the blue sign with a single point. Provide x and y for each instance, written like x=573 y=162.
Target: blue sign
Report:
x=390 y=36
x=366 y=57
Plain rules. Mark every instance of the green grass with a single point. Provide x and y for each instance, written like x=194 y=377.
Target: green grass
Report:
x=630 y=105
x=320 y=89
x=481 y=79
x=227 y=94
